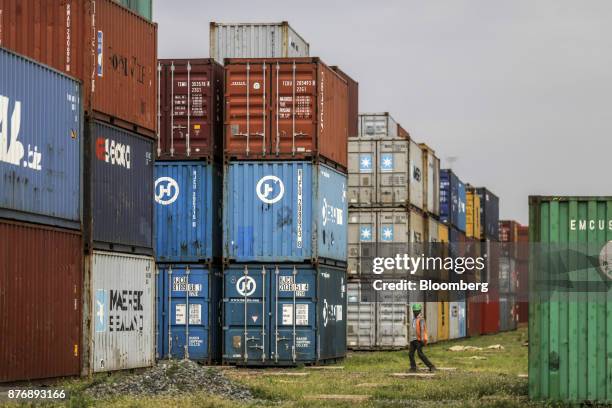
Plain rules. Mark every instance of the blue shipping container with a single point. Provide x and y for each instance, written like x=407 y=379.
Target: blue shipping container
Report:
x=489 y=214
x=452 y=200
x=188 y=306
x=187 y=211
x=284 y=212
x=121 y=204
x=40 y=143
x=283 y=314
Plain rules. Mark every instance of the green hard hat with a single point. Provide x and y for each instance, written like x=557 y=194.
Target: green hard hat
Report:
x=416 y=307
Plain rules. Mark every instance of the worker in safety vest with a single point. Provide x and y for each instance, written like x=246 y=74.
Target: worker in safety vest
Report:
x=418 y=338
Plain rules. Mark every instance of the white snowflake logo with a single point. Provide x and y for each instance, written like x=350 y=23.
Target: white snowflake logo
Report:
x=366 y=234
x=387 y=233
x=365 y=162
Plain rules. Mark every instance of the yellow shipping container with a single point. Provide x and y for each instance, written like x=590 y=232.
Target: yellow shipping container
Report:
x=472 y=214
x=443 y=320
x=442 y=232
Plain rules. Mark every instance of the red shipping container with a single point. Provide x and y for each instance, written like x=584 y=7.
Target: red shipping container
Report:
x=490 y=313
x=40 y=301
x=112 y=50
x=474 y=315
x=353 y=102
x=286 y=108
x=191 y=117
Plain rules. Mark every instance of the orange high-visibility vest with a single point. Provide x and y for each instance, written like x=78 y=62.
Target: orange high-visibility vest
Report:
x=421 y=335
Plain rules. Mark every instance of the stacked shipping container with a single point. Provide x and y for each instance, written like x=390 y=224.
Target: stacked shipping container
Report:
x=117 y=96
x=393 y=197
x=284 y=198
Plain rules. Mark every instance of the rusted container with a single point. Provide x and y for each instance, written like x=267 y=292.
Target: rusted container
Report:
x=108 y=47
x=287 y=108
x=402 y=133
x=190 y=116
x=40 y=302
x=353 y=102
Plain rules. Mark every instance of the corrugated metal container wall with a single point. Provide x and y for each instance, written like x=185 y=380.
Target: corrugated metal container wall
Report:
x=284 y=212
x=507 y=317
x=379 y=171
x=523 y=274
x=431 y=183
x=262 y=120
x=474 y=315
x=373 y=233
x=570 y=331
x=187 y=211
x=377 y=126
x=255 y=40
x=353 y=102
x=123 y=312
x=379 y=324
x=431 y=318
x=443 y=233
x=416 y=175
x=119 y=76
x=457 y=324
x=143 y=8
x=40 y=158
x=490 y=312
x=360 y=318
x=433 y=230
x=489 y=214
x=40 y=302
x=121 y=204
x=418 y=228
x=190 y=116
x=472 y=214
x=188 y=299
x=507 y=275
x=452 y=199
x=443 y=318
x=291 y=314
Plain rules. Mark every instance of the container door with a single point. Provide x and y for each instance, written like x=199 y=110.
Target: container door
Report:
x=392 y=320
x=188 y=113
x=361 y=318
x=246 y=315
x=294 y=107
x=362 y=175
x=443 y=320
x=392 y=172
x=187 y=297
x=293 y=324
x=246 y=119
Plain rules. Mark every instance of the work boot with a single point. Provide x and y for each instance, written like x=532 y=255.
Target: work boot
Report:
x=432 y=369
x=412 y=370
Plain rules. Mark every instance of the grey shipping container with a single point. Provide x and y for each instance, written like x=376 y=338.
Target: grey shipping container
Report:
x=255 y=40
x=118 y=190
x=381 y=320
x=376 y=232
x=508 y=317
x=283 y=314
x=377 y=126
x=431 y=180
x=40 y=143
x=120 y=313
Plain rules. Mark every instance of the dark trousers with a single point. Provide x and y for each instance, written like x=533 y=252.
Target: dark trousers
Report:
x=416 y=345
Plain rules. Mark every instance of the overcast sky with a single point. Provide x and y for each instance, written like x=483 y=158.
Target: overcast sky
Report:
x=518 y=92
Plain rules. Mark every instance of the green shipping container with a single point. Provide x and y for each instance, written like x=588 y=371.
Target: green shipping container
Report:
x=570 y=309
x=142 y=7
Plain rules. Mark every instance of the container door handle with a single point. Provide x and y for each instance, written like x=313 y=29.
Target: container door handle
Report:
x=277 y=107
x=293 y=350
x=159 y=68
x=263 y=314
x=188 y=110
x=188 y=315
x=246 y=337
x=172 y=110
x=276 y=339
x=169 y=312
x=263 y=109
x=293 y=116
